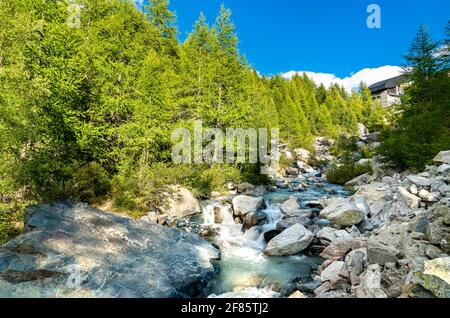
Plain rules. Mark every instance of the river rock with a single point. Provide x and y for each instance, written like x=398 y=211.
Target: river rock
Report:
x=342 y=213
x=291 y=241
x=245 y=188
x=243 y=204
x=419 y=181
x=379 y=253
x=358 y=180
x=408 y=198
x=362 y=130
x=292 y=171
x=115 y=256
x=444 y=168
x=443 y=156
x=271 y=234
x=371 y=283
x=340 y=247
x=438 y=230
x=426 y=196
x=297 y=294
x=287 y=222
x=355 y=261
x=180 y=203
x=290 y=205
x=253 y=218
x=329 y=235
x=302 y=154
x=435 y=277
x=372 y=137
x=304 y=168
x=393 y=280
x=372 y=192
x=335 y=273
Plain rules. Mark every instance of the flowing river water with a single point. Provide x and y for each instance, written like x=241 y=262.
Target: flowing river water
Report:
x=245 y=271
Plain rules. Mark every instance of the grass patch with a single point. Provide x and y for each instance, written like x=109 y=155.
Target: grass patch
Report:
x=343 y=173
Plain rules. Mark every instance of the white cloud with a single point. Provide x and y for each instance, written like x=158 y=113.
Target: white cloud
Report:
x=368 y=75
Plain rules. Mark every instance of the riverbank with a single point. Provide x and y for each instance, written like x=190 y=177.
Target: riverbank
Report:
x=301 y=237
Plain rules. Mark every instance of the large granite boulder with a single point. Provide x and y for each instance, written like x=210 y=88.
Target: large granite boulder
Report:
x=243 y=204
x=342 y=213
x=291 y=241
x=72 y=250
x=443 y=157
x=180 y=203
x=435 y=277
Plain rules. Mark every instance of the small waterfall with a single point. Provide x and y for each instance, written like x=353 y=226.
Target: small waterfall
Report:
x=209 y=214
x=211 y=208
x=245 y=271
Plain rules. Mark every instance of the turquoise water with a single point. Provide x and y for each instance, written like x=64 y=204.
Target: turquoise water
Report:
x=244 y=269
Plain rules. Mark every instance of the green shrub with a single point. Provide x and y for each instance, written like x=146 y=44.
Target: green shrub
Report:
x=344 y=146
x=90 y=183
x=11 y=220
x=142 y=189
x=346 y=172
x=366 y=152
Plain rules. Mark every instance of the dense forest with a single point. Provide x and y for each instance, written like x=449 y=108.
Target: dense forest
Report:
x=87 y=111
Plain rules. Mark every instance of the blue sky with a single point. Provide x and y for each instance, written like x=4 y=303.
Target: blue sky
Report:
x=320 y=36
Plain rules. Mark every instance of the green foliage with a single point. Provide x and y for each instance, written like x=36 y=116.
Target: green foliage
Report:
x=89 y=183
x=344 y=146
x=143 y=190
x=421 y=123
x=341 y=174
x=11 y=220
x=87 y=113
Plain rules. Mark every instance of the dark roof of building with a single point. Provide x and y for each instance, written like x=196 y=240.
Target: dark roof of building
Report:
x=386 y=84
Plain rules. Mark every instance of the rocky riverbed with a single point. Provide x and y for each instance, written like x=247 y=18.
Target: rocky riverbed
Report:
x=386 y=235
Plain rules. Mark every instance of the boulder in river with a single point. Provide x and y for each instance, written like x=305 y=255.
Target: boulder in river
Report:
x=72 y=250
x=243 y=204
x=342 y=213
x=292 y=208
x=291 y=241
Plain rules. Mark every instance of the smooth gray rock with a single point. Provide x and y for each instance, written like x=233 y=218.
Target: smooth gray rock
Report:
x=115 y=256
x=443 y=156
x=180 y=203
x=291 y=207
x=291 y=241
x=342 y=213
x=243 y=204
x=409 y=199
x=287 y=222
x=419 y=181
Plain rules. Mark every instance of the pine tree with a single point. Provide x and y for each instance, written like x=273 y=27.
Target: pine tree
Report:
x=424 y=116
x=163 y=19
